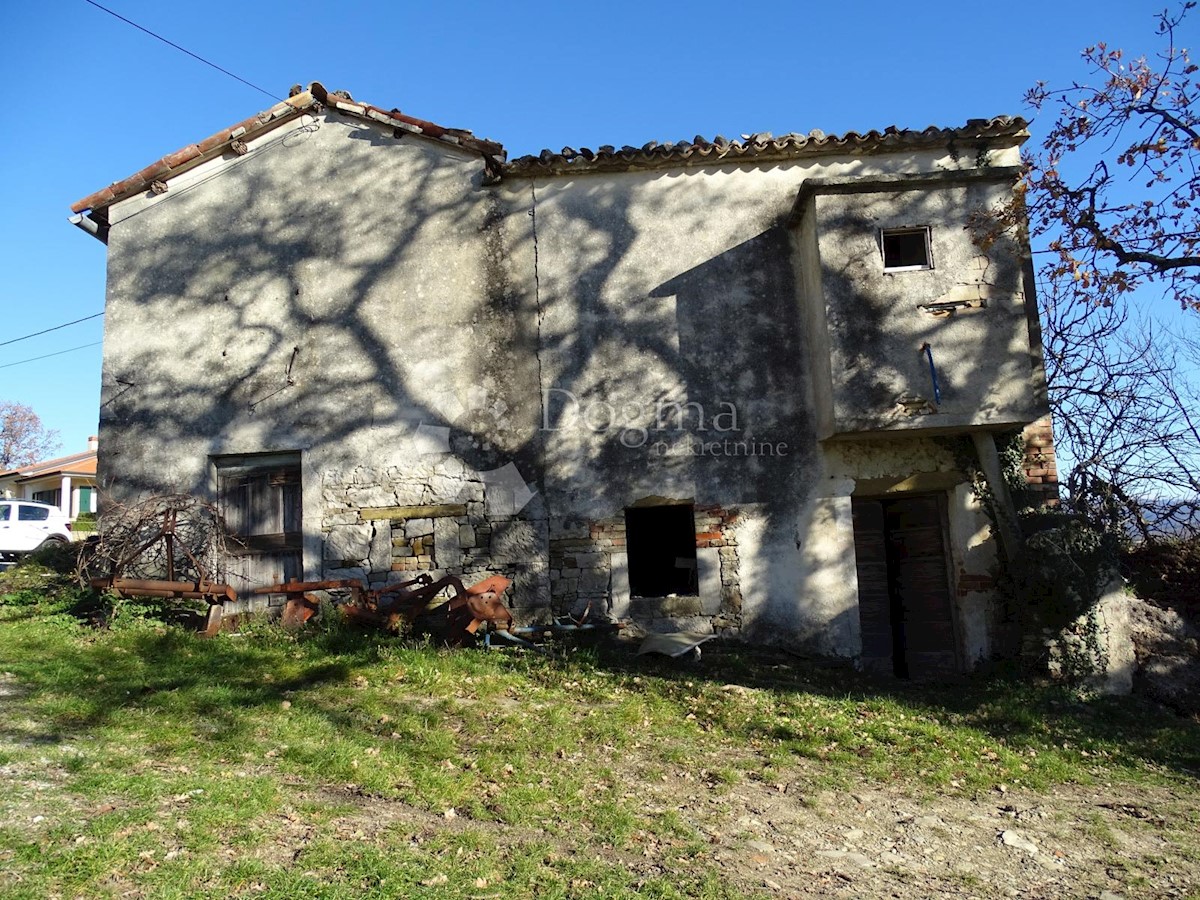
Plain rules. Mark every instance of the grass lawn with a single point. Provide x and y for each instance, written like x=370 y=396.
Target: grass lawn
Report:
x=139 y=760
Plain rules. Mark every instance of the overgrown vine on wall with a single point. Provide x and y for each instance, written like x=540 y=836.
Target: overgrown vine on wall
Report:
x=1010 y=446
x=1059 y=573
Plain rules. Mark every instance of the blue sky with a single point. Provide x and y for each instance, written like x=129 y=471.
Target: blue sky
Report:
x=93 y=100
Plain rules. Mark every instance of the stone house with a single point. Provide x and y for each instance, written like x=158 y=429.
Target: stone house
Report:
x=708 y=385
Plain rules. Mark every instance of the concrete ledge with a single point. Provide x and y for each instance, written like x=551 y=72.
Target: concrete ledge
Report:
x=878 y=184
x=708 y=564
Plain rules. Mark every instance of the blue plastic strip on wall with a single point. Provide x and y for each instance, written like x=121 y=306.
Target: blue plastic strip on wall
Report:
x=937 y=391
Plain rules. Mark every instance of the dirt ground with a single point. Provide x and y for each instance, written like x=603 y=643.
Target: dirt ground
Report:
x=1098 y=842
x=1103 y=842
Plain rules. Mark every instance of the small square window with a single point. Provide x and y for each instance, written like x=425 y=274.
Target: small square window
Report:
x=906 y=249
x=662 y=550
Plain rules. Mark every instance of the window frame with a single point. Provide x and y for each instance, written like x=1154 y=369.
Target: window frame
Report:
x=27 y=512
x=924 y=230
x=54 y=496
x=255 y=473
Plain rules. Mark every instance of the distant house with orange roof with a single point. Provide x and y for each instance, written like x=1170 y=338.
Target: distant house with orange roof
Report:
x=68 y=482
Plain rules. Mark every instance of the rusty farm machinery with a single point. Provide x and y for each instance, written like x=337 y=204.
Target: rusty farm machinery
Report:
x=444 y=607
x=201 y=587
x=155 y=561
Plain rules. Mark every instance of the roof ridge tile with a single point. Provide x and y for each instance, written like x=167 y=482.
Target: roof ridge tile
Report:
x=311 y=100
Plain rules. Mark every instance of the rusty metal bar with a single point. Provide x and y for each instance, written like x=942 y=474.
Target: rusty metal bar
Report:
x=299 y=587
x=192 y=590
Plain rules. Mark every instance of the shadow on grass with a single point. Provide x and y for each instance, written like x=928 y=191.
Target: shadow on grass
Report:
x=84 y=679
x=1018 y=712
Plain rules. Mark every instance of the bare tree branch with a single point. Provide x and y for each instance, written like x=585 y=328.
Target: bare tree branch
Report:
x=23 y=438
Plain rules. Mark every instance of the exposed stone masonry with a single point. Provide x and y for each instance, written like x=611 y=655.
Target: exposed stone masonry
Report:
x=587 y=559
x=386 y=526
x=581 y=563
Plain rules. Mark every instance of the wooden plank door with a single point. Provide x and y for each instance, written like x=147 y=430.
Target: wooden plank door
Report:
x=921 y=585
x=905 y=608
x=874 y=593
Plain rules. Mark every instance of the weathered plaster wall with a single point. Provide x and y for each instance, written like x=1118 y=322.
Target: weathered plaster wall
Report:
x=348 y=294
x=981 y=612
x=985 y=357
x=674 y=363
x=668 y=288
x=806 y=592
x=686 y=287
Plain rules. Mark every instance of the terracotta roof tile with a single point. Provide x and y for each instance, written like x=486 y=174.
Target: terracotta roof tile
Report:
x=83 y=467
x=83 y=463
x=181 y=160
x=311 y=100
x=698 y=151
x=762 y=147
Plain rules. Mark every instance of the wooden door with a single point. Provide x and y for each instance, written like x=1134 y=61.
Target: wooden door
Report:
x=261 y=505
x=903 y=581
x=874 y=593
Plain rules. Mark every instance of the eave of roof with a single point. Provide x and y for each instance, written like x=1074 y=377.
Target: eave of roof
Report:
x=905 y=181
x=83 y=470
x=310 y=101
x=757 y=148
x=83 y=463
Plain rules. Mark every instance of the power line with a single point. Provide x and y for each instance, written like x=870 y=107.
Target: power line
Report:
x=48 y=330
x=181 y=49
x=48 y=355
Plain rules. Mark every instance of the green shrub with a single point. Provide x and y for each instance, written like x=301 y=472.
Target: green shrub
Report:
x=1063 y=567
x=1053 y=587
x=43 y=574
x=60 y=557
x=27 y=577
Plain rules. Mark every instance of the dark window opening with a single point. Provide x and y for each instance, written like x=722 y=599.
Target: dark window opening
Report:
x=906 y=249
x=32 y=513
x=661 y=541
